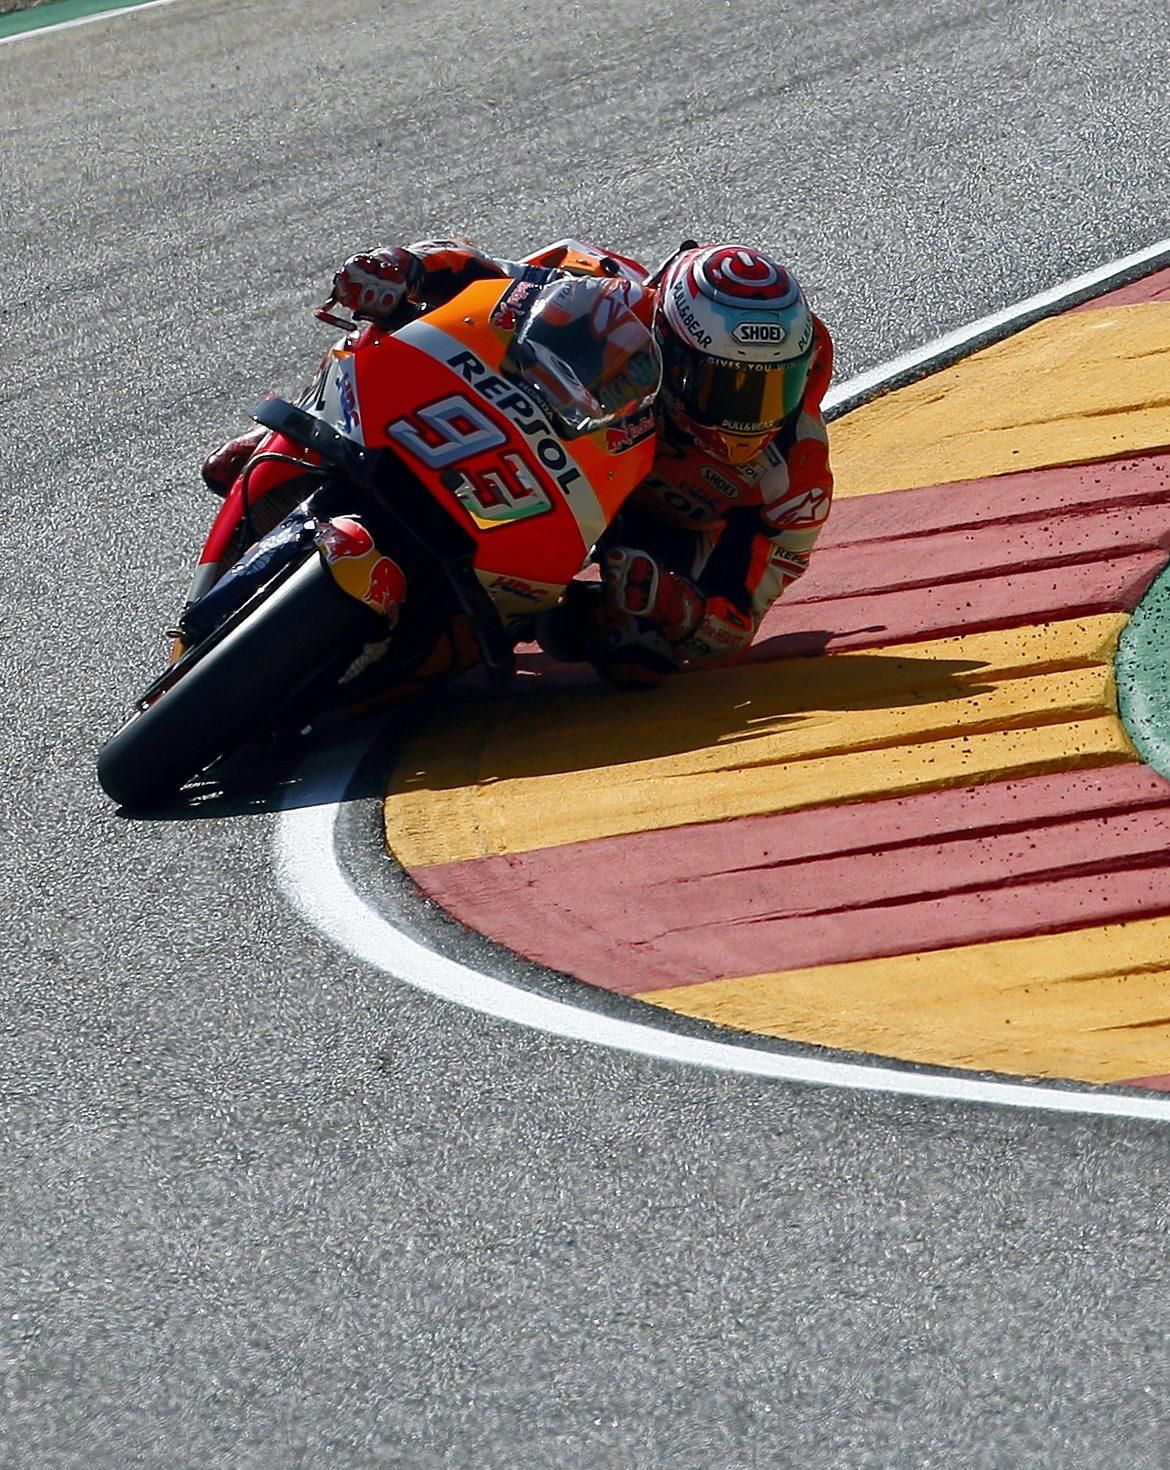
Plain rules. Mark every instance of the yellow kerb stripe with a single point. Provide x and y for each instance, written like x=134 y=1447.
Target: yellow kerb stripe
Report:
x=1091 y=1005
x=515 y=775
x=1083 y=386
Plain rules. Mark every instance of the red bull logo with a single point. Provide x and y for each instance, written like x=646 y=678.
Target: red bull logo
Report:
x=341 y=537
x=387 y=587
x=359 y=568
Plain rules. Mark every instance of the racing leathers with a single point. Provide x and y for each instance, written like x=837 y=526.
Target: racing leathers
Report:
x=738 y=535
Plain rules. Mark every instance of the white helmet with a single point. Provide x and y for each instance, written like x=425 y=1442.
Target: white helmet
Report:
x=737 y=342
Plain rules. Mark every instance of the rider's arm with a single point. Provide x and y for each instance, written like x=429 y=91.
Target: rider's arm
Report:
x=375 y=283
x=764 y=550
x=760 y=552
x=449 y=265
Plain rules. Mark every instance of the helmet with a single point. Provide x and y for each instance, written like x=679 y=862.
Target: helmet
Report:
x=737 y=341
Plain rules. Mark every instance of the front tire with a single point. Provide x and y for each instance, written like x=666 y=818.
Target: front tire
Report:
x=306 y=624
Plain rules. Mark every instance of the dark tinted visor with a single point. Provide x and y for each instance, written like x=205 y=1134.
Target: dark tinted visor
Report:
x=733 y=395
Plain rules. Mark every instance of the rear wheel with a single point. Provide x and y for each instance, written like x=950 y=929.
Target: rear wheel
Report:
x=307 y=624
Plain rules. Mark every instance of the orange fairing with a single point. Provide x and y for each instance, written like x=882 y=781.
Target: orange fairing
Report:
x=534 y=503
x=584 y=259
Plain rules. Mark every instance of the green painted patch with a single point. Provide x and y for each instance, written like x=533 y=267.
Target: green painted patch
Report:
x=1143 y=676
x=36 y=17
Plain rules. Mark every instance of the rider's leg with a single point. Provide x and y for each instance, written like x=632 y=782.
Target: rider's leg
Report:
x=221 y=468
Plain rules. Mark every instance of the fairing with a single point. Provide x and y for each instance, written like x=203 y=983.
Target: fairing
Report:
x=482 y=445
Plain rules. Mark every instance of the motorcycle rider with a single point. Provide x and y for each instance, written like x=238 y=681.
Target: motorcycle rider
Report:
x=740 y=485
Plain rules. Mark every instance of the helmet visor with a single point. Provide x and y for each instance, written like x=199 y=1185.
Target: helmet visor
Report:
x=739 y=396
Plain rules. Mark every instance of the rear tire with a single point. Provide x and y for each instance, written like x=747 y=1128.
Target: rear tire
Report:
x=305 y=625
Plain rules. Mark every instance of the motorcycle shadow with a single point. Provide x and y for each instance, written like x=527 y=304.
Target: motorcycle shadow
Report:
x=582 y=723
x=557 y=719
x=270 y=776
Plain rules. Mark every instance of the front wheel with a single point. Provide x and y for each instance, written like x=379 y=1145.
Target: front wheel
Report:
x=306 y=624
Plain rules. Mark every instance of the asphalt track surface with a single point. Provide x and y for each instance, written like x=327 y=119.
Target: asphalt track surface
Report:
x=263 y=1207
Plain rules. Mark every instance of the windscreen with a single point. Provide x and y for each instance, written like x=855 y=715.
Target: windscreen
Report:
x=585 y=354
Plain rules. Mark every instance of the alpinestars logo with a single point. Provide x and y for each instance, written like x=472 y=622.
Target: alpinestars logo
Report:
x=805 y=508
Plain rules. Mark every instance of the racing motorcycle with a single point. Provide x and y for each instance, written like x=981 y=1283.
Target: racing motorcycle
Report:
x=432 y=492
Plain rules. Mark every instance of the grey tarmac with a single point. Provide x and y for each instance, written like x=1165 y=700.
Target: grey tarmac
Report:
x=264 y=1208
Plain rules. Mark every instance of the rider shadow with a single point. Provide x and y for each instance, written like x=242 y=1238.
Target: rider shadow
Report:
x=562 y=718
x=807 y=643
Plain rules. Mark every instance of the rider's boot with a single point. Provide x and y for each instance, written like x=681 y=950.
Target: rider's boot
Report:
x=566 y=632
x=221 y=468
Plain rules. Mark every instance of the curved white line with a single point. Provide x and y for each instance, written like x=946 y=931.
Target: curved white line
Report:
x=1045 y=301
x=312 y=878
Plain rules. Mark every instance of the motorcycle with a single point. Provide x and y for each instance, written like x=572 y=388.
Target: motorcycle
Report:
x=433 y=491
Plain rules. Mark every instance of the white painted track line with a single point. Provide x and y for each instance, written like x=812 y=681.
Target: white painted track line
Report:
x=308 y=871
x=1045 y=303
x=312 y=878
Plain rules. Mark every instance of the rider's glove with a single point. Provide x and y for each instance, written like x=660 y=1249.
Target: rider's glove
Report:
x=637 y=585
x=644 y=612
x=374 y=284
x=723 y=635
